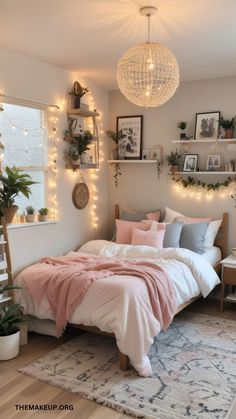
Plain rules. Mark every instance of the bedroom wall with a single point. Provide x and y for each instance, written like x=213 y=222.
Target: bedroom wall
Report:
x=139 y=187
x=23 y=77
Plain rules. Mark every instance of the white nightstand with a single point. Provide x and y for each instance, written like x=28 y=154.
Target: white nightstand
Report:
x=228 y=277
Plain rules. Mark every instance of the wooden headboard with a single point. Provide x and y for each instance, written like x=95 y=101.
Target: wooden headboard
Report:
x=221 y=240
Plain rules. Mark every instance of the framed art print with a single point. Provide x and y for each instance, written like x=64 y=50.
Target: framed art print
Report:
x=130 y=129
x=213 y=162
x=190 y=162
x=207 y=125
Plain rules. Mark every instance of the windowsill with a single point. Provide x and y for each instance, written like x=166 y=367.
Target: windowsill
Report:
x=36 y=223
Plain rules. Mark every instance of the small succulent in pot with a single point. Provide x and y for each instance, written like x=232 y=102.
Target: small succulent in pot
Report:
x=182 y=125
x=43 y=214
x=77 y=92
x=228 y=125
x=173 y=160
x=73 y=153
x=30 y=214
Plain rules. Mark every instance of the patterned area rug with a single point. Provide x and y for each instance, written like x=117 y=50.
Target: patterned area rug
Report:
x=194 y=366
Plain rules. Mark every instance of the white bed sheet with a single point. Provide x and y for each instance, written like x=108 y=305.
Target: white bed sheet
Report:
x=121 y=304
x=212 y=255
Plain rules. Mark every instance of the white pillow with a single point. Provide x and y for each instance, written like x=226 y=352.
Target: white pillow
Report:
x=170 y=215
x=211 y=233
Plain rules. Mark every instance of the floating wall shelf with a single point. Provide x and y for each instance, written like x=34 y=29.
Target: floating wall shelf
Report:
x=132 y=161
x=205 y=140
x=205 y=173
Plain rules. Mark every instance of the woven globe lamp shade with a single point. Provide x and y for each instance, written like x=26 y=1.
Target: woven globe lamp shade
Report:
x=148 y=74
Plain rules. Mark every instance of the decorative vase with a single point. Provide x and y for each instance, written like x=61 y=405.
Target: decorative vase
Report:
x=115 y=154
x=229 y=133
x=182 y=135
x=174 y=169
x=77 y=102
x=9 y=346
x=42 y=217
x=29 y=218
x=75 y=162
x=9 y=213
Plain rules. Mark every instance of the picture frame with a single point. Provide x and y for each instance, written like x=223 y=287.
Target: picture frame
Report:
x=145 y=154
x=207 y=125
x=190 y=163
x=130 y=146
x=213 y=162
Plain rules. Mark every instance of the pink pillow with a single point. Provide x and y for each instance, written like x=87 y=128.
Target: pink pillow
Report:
x=154 y=216
x=154 y=225
x=189 y=220
x=124 y=230
x=153 y=238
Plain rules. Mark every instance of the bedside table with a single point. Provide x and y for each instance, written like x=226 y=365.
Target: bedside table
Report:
x=228 y=277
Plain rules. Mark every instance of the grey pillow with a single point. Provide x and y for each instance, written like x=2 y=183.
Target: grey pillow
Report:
x=172 y=235
x=133 y=216
x=192 y=237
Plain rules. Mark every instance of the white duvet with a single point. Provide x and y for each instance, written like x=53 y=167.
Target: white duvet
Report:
x=121 y=305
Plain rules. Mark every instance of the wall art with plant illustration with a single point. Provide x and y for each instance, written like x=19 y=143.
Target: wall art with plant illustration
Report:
x=130 y=145
x=207 y=125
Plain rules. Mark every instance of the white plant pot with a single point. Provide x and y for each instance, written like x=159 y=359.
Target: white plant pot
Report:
x=9 y=346
x=42 y=217
x=30 y=218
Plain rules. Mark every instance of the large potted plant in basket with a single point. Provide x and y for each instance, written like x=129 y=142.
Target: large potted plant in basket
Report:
x=13 y=183
x=9 y=331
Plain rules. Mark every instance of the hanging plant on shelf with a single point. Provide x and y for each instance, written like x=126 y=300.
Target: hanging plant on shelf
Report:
x=116 y=174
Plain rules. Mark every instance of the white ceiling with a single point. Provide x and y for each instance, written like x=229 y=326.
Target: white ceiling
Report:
x=90 y=36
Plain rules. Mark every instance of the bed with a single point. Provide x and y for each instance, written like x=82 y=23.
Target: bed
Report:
x=112 y=311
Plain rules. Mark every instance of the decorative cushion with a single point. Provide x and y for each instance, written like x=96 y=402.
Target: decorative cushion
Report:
x=124 y=230
x=212 y=230
x=138 y=216
x=193 y=236
x=153 y=238
x=172 y=235
x=170 y=215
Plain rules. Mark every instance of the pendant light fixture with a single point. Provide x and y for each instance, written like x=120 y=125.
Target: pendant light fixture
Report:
x=148 y=74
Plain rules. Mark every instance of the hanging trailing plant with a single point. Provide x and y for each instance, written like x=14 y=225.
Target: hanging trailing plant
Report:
x=191 y=182
x=116 y=174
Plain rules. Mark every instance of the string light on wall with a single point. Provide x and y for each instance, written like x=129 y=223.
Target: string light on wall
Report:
x=53 y=143
x=198 y=190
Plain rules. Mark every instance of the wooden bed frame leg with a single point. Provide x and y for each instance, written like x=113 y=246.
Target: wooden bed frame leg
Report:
x=123 y=361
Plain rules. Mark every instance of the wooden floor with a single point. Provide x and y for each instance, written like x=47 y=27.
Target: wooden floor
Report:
x=16 y=388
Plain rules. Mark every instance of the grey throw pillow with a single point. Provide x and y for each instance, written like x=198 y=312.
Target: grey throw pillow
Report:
x=172 y=235
x=192 y=237
x=133 y=216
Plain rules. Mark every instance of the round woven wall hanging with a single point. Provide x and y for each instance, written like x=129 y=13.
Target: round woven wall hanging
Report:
x=80 y=195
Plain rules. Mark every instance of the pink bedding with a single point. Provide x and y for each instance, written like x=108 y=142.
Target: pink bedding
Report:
x=65 y=280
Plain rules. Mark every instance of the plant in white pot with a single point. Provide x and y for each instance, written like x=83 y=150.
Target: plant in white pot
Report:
x=30 y=214
x=43 y=214
x=73 y=153
x=9 y=331
x=13 y=183
x=116 y=137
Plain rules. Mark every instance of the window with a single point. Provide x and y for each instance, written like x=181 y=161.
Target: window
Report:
x=24 y=137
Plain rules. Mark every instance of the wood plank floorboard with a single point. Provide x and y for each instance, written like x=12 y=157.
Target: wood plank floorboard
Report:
x=17 y=388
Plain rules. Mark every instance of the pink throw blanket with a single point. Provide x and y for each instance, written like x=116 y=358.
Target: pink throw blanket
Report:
x=65 y=280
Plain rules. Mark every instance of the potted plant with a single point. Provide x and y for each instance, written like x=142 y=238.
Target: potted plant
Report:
x=182 y=126
x=116 y=137
x=228 y=125
x=43 y=214
x=82 y=142
x=77 y=92
x=9 y=331
x=13 y=183
x=173 y=160
x=73 y=153
x=30 y=214
x=4 y=288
